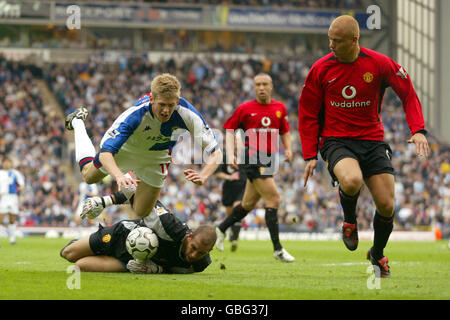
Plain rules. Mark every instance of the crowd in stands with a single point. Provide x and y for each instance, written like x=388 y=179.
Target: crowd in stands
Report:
x=32 y=136
x=36 y=140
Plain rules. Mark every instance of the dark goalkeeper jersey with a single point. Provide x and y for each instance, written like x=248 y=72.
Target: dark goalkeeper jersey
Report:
x=344 y=99
x=171 y=234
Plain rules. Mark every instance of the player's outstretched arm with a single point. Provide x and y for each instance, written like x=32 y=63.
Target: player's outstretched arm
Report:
x=210 y=167
x=123 y=181
x=421 y=142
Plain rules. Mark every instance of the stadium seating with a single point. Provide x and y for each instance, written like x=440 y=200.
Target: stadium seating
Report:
x=34 y=139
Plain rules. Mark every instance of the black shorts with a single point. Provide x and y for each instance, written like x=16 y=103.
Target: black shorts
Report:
x=232 y=193
x=258 y=166
x=110 y=241
x=374 y=157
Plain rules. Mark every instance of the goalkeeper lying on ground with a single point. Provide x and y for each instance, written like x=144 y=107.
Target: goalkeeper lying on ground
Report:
x=180 y=250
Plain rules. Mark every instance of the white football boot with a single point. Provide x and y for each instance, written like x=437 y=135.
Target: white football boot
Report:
x=80 y=113
x=283 y=255
x=220 y=240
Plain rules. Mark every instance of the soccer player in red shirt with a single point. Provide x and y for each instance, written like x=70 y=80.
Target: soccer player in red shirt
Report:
x=339 y=114
x=263 y=120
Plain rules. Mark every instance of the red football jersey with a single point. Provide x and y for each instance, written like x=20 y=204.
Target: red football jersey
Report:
x=260 y=122
x=344 y=99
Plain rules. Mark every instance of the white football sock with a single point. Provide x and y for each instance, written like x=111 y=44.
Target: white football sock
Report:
x=108 y=201
x=83 y=144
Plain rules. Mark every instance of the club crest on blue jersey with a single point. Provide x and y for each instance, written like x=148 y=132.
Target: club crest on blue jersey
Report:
x=114 y=133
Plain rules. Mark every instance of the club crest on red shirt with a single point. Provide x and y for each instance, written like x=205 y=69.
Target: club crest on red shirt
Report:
x=368 y=77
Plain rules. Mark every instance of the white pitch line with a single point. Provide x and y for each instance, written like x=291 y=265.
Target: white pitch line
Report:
x=342 y=264
x=363 y=263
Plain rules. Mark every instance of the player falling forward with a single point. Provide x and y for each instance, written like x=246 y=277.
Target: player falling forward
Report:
x=341 y=103
x=141 y=140
x=180 y=250
x=11 y=183
x=260 y=118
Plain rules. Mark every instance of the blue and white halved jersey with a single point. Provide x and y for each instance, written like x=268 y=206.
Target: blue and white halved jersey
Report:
x=10 y=181
x=138 y=133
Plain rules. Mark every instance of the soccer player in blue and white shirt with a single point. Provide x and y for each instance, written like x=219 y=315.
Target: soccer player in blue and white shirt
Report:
x=11 y=183
x=141 y=140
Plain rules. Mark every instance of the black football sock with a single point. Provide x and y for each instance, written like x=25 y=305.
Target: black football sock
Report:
x=119 y=198
x=235 y=229
x=272 y=225
x=382 y=227
x=236 y=215
x=348 y=204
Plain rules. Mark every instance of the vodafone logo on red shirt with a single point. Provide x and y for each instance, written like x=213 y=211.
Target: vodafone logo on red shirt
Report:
x=349 y=93
x=265 y=121
x=352 y=92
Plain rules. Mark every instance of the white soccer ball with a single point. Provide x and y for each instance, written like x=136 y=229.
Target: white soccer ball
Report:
x=142 y=243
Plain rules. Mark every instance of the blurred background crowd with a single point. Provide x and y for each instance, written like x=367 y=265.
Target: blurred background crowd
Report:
x=35 y=138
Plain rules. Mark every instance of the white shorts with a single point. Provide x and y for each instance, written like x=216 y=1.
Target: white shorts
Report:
x=9 y=203
x=152 y=174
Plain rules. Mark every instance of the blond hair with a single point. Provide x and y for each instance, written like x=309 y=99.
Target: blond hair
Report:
x=166 y=85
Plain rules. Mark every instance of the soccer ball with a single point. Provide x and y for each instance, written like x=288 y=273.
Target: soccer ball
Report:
x=142 y=243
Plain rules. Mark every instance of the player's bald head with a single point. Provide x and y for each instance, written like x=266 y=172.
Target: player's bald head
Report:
x=345 y=26
x=263 y=87
x=207 y=235
x=344 y=38
x=263 y=76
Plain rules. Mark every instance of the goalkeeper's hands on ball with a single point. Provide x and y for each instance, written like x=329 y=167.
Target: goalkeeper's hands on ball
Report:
x=142 y=267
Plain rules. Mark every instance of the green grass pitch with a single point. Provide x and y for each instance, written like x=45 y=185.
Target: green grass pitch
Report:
x=32 y=269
